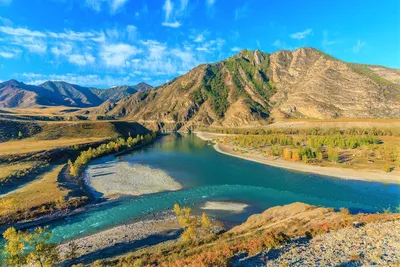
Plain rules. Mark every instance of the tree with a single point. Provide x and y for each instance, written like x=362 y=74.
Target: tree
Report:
x=20 y=135
x=205 y=222
x=305 y=159
x=43 y=252
x=295 y=156
x=320 y=156
x=333 y=154
x=14 y=249
x=287 y=154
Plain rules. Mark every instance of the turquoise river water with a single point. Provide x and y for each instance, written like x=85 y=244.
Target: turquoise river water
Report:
x=207 y=175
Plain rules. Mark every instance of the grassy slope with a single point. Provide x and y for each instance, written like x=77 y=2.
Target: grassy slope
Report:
x=45 y=190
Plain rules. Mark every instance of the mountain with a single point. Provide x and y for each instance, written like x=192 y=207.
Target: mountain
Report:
x=116 y=93
x=54 y=93
x=254 y=87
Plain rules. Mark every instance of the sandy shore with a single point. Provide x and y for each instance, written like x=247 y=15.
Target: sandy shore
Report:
x=111 y=177
x=370 y=175
x=225 y=206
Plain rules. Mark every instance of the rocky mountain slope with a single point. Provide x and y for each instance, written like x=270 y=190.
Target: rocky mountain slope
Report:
x=53 y=93
x=253 y=87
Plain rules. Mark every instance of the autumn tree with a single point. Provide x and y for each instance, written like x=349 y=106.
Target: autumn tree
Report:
x=295 y=156
x=193 y=227
x=287 y=154
x=205 y=222
x=14 y=249
x=42 y=253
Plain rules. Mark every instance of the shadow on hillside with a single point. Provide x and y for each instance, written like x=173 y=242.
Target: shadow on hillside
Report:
x=123 y=248
x=261 y=259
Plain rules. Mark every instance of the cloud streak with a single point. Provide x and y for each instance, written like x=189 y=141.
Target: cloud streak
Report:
x=301 y=35
x=357 y=47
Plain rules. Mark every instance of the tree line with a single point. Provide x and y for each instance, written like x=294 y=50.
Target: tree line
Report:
x=76 y=167
x=373 y=131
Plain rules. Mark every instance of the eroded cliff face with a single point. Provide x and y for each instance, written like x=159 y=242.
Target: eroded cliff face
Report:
x=310 y=84
x=251 y=87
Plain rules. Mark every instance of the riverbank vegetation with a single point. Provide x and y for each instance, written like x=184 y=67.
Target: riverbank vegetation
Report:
x=373 y=131
x=30 y=248
x=76 y=167
x=355 y=148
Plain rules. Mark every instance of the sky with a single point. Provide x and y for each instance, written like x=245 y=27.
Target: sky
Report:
x=104 y=43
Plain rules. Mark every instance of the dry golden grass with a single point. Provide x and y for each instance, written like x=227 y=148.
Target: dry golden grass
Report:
x=41 y=111
x=7 y=169
x=32 y=145
x=35 y=194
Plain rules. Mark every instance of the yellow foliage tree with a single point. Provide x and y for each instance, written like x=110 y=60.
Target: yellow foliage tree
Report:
x=205 y=221
x=295 y=156
x=14 y=249
x=287 y=154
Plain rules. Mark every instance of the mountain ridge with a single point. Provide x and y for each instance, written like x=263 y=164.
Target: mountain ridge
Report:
x=254 y=87
x=59 y=93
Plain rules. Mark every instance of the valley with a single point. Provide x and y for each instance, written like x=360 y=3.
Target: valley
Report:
x=238 y=144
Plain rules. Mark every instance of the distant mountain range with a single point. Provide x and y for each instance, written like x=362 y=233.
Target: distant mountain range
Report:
x=15 y=94
x=247 y=89
x=253 y=86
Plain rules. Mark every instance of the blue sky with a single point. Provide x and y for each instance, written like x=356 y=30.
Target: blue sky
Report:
x=112 y=42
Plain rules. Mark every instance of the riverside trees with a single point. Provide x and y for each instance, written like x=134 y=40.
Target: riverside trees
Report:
x=114 y=146
x=315 y=145
x=31 y=247
x=194 y=228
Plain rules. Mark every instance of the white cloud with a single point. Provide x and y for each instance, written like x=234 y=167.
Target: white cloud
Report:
x=113 y=5
x=235 y=49
x=94 y=4
x=132 y=32
x=168 y=9
x=184 y=4
x=277 y=43
x=61 y=50
x=210 y=2
x=117 y=55
x=301 y=35
x=211 y=46
x=357 y=47
x=199 y=37
x=175 y=24
x=326 y=42
x=156 y=49
x=21 y=32
x=9 y=53
x=81 y=60
x=241 y=12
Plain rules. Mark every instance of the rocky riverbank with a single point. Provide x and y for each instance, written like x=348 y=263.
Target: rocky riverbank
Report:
x=123 y=238
x=375 y=244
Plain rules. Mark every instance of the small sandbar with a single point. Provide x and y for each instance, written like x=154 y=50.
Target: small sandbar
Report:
x=120 y=178
x=224 y=206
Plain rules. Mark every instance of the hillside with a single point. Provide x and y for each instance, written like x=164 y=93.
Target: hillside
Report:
x=297 y=234
x=14 y=94
x=254 y=87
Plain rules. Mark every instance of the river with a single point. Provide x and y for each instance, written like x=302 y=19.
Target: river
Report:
x=207 y=175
